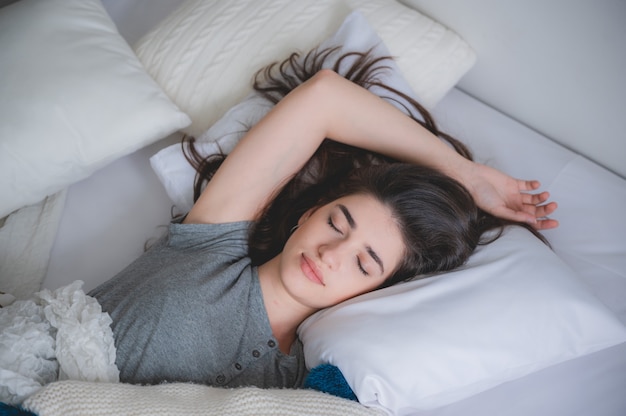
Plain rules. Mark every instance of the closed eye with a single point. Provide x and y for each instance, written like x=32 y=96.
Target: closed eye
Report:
x=333 y=226
x=352 y=225
x=361 y=268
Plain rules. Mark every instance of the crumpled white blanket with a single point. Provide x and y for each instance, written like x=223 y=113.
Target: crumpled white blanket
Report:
x=56 y=335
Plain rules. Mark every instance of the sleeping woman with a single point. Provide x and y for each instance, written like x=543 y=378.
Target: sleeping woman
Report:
x=334 y=193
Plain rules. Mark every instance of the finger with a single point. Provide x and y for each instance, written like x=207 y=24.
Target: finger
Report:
x=535 y=199
x=517 y=216
x=540 y=198
x=532 y=199
x=546 y=210
x=546 y=224
x=539 y=211
x=523 y=185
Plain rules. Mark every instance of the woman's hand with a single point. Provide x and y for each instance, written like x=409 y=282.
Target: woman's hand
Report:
x=503 y=196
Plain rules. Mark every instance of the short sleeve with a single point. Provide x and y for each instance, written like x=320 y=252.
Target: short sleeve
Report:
x=227 y=238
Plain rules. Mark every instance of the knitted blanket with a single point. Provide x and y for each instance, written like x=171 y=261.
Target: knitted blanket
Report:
x=69 y=398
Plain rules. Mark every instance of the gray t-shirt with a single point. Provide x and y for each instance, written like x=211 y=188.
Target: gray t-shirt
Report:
x=190 y=309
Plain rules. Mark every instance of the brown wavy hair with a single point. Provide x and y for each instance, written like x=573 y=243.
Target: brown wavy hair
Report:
x=438 y=217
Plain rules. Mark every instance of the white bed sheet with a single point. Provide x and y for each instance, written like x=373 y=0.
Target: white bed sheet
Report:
x=110 y=216
x=591 y=237
x=26 y=238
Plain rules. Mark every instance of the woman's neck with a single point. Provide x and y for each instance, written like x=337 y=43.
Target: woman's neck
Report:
x=285 y=313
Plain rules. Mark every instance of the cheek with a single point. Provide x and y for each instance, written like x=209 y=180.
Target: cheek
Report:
x=360 y=284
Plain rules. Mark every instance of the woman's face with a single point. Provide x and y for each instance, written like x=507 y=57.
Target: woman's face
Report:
x=343 y=249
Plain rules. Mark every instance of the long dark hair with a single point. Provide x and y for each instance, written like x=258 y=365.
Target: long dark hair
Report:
x=441 y=223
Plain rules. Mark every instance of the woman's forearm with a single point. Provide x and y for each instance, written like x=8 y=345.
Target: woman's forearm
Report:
x=359 y=118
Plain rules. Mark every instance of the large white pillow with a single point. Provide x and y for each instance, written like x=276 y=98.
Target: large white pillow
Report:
x=73 y=97
x=177 y=175
x=515 y=308
x=205 y=53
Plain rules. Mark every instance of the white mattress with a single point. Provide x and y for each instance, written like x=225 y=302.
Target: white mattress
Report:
x=110 y=216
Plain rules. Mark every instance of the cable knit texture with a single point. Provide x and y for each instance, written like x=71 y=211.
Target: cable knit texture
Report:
x=69 y=398
x=205 y=53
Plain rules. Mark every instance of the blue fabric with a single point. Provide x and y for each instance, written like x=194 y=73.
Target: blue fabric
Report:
x=328 y=378
x=8 y=410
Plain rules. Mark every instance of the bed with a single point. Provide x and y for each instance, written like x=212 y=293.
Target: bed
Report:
x=522 y=329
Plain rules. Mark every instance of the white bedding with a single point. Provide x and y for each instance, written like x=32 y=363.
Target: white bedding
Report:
x=57 y=357
x=26 y=238
x=589 y=385
x=69 y=398
x=54 y=335
x=119 y=233
x=108 y=217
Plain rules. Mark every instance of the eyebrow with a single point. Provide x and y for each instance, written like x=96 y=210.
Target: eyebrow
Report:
x=369 y=249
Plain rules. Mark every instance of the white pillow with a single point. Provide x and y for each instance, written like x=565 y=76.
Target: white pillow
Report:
x=177 y=175
x=73 y=98
x=205 y=54
x=515 y=308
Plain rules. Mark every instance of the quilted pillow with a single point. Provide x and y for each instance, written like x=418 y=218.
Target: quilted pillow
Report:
x=205 y=53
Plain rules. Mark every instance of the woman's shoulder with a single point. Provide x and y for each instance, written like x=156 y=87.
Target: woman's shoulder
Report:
x=231 y=237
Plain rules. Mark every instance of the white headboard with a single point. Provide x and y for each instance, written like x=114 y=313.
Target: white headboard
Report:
x=557 y=66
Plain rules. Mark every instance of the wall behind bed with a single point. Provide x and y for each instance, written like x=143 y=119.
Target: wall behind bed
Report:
x=558 y=66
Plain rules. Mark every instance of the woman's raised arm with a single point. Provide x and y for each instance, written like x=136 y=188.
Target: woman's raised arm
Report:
x=329 y=106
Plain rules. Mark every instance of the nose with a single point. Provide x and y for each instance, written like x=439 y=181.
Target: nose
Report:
x=332 y=253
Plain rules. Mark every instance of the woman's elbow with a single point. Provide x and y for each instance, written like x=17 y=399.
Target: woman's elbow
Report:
x=324 y=79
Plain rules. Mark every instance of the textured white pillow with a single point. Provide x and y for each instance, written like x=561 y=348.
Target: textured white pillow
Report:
x=177 y=175
x=73 y=97
x=515 y=308
x=205 y=54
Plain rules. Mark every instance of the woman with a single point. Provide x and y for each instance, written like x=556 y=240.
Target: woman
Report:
x=207 y=305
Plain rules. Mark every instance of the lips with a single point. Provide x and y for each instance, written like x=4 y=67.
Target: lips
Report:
x=311 y=271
